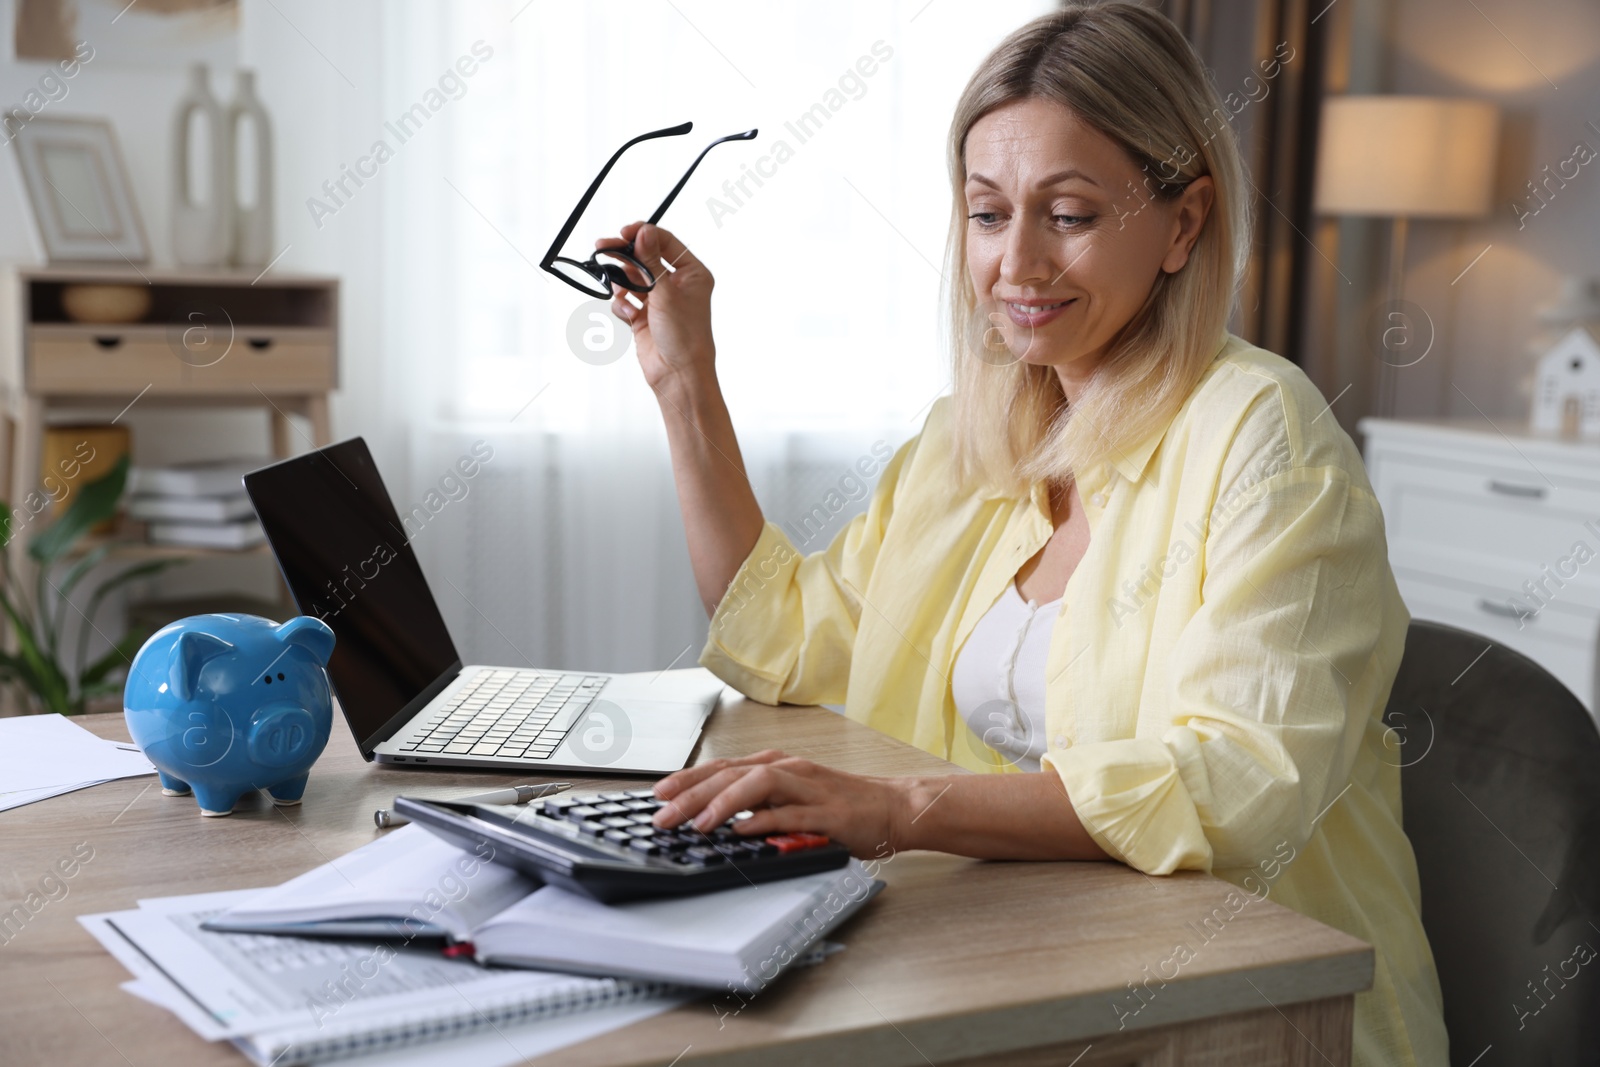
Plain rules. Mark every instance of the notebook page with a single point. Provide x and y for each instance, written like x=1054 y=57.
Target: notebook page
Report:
x=406 y=874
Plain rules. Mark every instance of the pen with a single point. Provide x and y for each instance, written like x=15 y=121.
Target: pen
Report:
x=515 y=794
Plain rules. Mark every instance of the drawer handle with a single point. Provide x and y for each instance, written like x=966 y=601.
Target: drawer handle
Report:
x=1505 y=611
x=108 y=341
x=260 y=344
x=1527 y=492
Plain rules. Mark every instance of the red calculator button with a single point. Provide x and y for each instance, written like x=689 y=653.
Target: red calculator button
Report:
x=796 y=842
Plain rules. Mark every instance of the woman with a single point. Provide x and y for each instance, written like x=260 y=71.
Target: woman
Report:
x=1129 y=567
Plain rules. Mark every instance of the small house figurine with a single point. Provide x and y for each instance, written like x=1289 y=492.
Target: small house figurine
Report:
x=1569 y=374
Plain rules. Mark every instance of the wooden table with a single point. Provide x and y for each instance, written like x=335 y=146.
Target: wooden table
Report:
x=957 y=962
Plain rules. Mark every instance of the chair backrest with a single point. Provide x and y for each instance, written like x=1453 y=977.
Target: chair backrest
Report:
x=1501 y=791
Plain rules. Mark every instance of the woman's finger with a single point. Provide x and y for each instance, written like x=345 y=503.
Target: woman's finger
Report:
x=758 y=787
x=687 y=791
x=677 y=782
x=620 y=306
x=688 y=803
x=666 y=245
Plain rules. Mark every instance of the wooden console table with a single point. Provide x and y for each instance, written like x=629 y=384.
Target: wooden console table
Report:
x=210 y=338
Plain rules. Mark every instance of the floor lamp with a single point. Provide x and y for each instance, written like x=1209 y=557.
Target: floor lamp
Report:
x=1404 y=157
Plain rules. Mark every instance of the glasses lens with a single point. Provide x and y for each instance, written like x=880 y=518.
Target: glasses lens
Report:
x=575 y=274
x=625 y=271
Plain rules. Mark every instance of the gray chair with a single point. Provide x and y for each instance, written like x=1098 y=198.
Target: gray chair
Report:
x=1501 y=790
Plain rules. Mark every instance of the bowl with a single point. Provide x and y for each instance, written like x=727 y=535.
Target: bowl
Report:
x=105 y=303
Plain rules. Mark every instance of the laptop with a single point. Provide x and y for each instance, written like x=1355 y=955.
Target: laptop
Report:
x=407 y=696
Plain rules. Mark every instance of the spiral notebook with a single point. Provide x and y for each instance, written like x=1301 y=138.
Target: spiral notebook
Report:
x=292 y=1000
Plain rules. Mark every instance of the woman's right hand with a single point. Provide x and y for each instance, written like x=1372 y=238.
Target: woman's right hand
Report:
x=672 y=332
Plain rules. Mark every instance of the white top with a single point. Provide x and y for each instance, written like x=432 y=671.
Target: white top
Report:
x=999 y=677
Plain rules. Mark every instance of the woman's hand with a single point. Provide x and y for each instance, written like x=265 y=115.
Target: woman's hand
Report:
x=672 y=332
x=786 y=793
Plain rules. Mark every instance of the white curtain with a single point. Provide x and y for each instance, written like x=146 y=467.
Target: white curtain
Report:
x=826 y=236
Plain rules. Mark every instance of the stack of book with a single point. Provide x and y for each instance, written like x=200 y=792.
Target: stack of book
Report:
x=196 y=504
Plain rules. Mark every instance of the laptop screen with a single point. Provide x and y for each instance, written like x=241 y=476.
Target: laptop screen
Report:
x=347 y=561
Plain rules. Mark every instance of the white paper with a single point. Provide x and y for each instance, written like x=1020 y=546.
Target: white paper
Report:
x=51 y=751
x=20 y=797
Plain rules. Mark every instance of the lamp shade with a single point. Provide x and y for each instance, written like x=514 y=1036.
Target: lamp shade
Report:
x=1413 y=156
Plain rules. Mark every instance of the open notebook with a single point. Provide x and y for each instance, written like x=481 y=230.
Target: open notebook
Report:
x=411 y=884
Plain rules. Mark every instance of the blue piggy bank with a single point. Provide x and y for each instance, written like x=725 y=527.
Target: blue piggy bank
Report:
x=223 y=704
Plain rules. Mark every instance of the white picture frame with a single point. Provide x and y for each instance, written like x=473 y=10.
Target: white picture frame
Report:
x=78 y=189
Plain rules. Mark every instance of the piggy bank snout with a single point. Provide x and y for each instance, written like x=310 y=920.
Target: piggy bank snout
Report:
x=282 y=734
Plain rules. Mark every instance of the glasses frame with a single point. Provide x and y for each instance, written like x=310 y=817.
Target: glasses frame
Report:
x=609 y=276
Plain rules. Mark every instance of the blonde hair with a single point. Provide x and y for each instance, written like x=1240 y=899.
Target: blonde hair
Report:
x=1126 y=71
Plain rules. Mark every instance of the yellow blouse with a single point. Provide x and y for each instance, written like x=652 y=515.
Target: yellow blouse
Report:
x=1216 y=675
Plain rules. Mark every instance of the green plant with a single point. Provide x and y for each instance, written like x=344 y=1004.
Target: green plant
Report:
x=38 y=622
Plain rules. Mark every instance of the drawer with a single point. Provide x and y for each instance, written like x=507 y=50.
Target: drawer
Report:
x=105 y=363
x=1562 y=641
x=1497 y=524
x=271 y=364
x=122 y=360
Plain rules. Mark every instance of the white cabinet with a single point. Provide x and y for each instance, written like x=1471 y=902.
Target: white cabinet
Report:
x=1496 y=531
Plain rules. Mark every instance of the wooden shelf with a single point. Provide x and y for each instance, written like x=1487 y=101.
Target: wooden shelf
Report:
x=125 y=548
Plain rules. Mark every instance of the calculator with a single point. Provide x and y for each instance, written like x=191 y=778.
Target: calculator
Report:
x=604 y=846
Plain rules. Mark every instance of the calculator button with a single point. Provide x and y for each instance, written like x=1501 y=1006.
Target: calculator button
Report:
x=641 y=805
x=786 y=843
x=639 y=818
x=610 y=809
x=642 y=794
x=582 y=812
x=702 y=857
x=592 y=829
x=619 y=822
x=614 y=796
x=640 y=831
x=645 y=846
x=621 y=837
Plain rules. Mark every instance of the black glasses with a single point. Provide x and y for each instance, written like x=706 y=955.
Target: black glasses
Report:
x=598 y=275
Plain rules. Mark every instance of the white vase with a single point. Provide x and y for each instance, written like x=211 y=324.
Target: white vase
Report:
x=202 y=232
x=252 y=223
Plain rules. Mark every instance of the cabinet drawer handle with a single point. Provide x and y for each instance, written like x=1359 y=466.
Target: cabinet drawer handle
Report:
x=1528 y=492
x=1505 y=611
x=108 y=340
x=260 y=344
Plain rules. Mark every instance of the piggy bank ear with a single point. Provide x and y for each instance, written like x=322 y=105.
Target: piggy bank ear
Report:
x=310 y=634
x=188 y=656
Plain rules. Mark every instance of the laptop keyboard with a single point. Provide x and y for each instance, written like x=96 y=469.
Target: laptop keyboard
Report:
x=522 y=714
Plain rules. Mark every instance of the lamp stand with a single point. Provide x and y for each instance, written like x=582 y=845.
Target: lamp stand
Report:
x=1388 y=373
